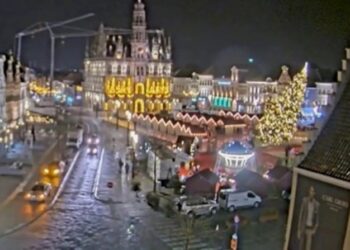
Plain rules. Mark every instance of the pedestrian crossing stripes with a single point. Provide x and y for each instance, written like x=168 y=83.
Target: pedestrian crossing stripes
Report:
x=174 y=235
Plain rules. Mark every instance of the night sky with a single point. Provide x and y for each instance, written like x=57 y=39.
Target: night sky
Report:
x=218 y=33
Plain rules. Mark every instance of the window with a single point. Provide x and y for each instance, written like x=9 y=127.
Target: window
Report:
x=223 y=196
x=251 y=195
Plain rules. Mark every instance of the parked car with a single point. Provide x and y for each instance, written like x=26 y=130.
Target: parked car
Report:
x=197 y=206
x=39 y=192
x=15 y=169
x=231 y=199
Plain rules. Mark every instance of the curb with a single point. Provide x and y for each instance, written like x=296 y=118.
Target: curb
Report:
x=50 y=206
x=22 y=184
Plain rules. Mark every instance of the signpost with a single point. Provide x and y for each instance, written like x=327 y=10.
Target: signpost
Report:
x=234 y=242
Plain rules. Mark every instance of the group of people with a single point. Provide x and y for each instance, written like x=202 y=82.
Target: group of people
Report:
x=135 y=183
x=126 y=166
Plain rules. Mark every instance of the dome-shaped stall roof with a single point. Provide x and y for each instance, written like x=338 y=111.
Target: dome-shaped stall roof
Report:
x=236 y=148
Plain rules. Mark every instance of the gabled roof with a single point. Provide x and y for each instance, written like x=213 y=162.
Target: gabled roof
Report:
x=331 y=152
x=206 y=175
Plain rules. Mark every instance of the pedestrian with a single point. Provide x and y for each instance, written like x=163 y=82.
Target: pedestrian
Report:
x=120 y=163
x=136 y=188
x=113 y=145
x=33 y=134
x=127 y=167
x=116 y=155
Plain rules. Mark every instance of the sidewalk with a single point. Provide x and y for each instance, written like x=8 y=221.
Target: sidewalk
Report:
x=121 y=192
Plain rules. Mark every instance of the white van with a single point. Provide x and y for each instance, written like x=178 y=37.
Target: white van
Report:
x=231 y=199
x=75 y=139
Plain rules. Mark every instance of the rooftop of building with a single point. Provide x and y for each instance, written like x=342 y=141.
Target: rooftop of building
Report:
x=331 y=151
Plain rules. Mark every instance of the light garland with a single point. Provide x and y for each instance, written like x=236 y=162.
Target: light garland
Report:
x=281 y=112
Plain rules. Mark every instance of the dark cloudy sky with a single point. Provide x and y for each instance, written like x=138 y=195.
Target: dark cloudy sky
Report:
x=204 y=32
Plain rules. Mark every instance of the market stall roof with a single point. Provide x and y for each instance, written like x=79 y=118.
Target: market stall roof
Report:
x=237 y=148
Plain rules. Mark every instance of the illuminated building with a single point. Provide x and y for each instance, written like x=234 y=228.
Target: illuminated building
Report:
x=192 y=92
x=13 y=87
x=184 y=90
x=238 y=95
x=130 y=67
x=326 y=92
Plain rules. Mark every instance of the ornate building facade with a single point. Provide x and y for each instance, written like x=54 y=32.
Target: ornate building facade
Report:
x=129 y=69
x=13 y=92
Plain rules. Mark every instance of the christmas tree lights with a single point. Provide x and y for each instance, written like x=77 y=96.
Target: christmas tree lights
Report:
x=281 y=112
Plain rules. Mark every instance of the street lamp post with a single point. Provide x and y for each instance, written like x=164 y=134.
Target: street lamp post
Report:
x=128 y=118
x=117 y=106
x=155 y=172
x=155 y=150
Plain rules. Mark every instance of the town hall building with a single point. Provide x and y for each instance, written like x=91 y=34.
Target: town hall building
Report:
x=129 y=70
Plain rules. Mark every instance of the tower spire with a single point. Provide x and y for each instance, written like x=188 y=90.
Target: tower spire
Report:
x=139 y=34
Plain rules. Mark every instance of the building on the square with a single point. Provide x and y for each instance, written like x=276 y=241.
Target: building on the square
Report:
x=320 y=198
x=192 y=92
x=184 y=89
x=245 y=96
x=2 y=95
x=130 y=69
x=13 y=93
x=205 y=83
x=326 y=92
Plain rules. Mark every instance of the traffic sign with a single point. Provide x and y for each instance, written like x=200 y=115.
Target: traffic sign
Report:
x=234 y=241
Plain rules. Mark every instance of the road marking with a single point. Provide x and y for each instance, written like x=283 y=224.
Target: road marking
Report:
x=63 y=183
x=98 y=176
x=174 y=235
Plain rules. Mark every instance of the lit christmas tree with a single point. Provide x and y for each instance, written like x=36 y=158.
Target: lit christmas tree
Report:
x=281 y=112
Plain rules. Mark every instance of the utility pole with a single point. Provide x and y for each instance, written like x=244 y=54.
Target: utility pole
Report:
x=155 y=172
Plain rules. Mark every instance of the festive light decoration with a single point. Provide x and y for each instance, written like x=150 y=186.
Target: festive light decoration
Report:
x=39 y=119
x=191 y=93
x=234 y=155
x=282 y=111
x=155 y=93
x=36 y=88
x=194 y=118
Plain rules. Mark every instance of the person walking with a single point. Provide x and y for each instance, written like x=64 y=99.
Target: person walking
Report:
x=120 y=163
x=136 y=188
x=33 y=134
x=127 y=168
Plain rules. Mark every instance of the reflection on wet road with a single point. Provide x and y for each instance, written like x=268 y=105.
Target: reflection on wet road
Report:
x=78 y=221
